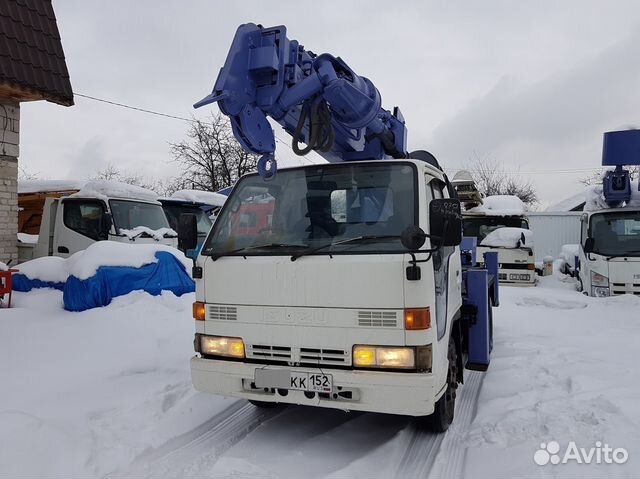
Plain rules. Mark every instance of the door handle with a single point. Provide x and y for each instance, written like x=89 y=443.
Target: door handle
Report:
x=63 y=249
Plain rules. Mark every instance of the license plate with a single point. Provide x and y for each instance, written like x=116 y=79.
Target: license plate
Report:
x=299 y=381
x=321 y=383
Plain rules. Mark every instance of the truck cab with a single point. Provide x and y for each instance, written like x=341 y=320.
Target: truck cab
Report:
x=72 y=223
x=516 y=260
x=609 y=253
x=323 y=305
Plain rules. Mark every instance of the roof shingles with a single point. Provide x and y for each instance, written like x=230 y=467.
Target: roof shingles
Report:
x=31 y=55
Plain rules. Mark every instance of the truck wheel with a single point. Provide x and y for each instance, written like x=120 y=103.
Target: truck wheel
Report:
x=264 y=404
x=444 y=411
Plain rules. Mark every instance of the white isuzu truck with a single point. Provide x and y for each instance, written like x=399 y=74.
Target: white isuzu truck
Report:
x=609 y=251
x=353 y=293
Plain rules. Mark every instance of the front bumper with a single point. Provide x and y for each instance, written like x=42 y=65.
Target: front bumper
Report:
x=411 y=394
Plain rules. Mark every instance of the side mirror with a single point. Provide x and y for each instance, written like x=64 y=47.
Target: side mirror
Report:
x=445 y=221
x=413 y=238
x=187 y=232
x=588 y=245
x=106 y=222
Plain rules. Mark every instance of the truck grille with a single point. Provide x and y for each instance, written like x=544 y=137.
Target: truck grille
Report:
x=377 y=319
x=222 y=313
x=303 y=356
x=625 y=288
x=277 y=353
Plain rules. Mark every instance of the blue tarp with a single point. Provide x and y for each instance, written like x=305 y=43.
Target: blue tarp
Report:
x=168 y=274
x=22 y=283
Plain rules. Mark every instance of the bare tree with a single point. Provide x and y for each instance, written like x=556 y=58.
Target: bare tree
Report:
x=25 y=174
x=492 y=179
x=211 y=157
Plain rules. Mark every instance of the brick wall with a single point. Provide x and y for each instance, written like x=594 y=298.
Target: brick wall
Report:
x=8 y=209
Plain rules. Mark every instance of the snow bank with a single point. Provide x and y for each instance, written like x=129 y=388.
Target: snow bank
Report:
x=569 y=252
x=508 y=238
x=197 y=196
x=3 y=267
x=27 y=238
x=595 y=198
x=500 y=205
x=157 y=235
x=115 y=189
x=46 y=186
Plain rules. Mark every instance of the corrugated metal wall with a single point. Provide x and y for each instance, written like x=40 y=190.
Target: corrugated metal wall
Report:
x=552 y=230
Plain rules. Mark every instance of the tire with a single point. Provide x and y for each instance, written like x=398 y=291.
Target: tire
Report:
x=444 y=411
x=264 y=404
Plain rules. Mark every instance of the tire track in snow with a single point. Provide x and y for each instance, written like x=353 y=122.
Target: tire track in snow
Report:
x=451 y=456
x=187 y=454
x=441 y=455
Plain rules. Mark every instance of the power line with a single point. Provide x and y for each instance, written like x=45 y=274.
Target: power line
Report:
x=130 y=107
x=278 y=139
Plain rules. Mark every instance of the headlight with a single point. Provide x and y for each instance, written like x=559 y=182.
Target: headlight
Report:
x=600 y=292
x=221 y=346
x=383 y=357
x=598 y=280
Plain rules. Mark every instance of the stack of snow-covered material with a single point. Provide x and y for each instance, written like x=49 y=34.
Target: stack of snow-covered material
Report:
x=568 y=257
x=115 y=189
x=105 y=270
x=500 y=205
x=595 y=198
x=48 y=186
x=508 y=238
x=46 y=272
x=197 y=196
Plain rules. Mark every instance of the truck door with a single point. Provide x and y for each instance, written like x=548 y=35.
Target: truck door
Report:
x=441 y=269
x=78 y=225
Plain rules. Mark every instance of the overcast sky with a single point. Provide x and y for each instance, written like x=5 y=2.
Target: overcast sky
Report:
x=531 y=84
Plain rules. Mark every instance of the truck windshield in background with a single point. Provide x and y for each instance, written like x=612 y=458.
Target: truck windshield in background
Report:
x=616 y=234
x=173 y=212
x=130 y=214
x=481 y=226
x=312 y=207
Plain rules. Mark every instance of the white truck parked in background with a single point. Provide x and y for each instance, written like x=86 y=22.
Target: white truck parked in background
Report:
x=609 y=256
x=100 y=210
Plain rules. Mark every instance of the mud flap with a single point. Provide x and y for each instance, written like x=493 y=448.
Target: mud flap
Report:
x=479 y=332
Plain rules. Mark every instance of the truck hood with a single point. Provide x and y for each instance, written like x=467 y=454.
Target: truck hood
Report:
x=322 y=281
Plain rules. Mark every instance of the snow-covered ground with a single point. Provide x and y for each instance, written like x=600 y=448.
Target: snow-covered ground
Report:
x=107 y=393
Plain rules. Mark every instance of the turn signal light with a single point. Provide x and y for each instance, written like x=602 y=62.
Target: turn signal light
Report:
x=531 y=266
x=417 y=318
x=199 y=311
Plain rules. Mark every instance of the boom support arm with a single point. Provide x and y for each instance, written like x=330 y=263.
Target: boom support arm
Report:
x=317 y=99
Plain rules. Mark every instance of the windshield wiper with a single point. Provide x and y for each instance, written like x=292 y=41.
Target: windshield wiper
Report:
x=346 y=240
x=262 y=246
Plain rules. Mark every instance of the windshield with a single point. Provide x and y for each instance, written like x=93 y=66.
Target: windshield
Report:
x=481 y=226
x=616 y=234
x=129 y=214
x=173 y=212
x=311 y=207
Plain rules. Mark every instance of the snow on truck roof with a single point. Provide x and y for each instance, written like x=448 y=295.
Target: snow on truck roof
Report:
x=92 y=189
x=114 y=189
x=595 y=199
x=198 y=196
x=500 y=205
